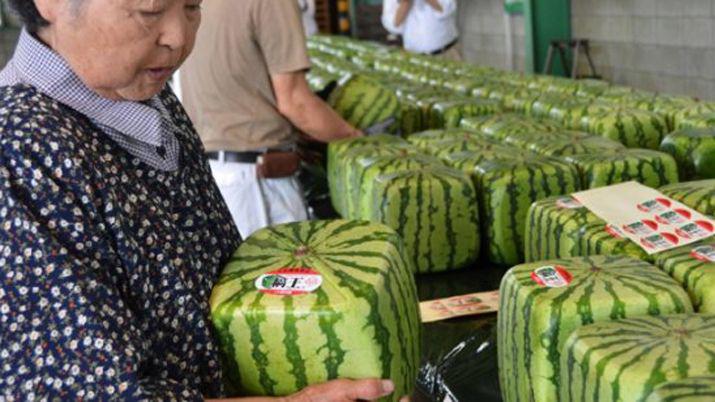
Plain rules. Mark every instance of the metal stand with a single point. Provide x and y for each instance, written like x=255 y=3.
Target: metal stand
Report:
x=576 y=46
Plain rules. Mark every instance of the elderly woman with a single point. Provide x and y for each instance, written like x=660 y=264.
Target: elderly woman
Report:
x=112 y=230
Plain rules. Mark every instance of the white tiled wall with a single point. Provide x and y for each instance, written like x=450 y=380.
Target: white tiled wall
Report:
x=483 y=34
x=659 y=45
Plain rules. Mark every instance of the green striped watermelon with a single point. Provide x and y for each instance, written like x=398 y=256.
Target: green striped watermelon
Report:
x=695 y=110
x=335 y=163
x=525 y=139
x=501 y=126
x=542 y=106
x=364 y=102
x=576 y=114
x=651 y=168
x=508 y=182
x=693 y=266
x=684 y=145
x=436 y=213
x=698 y=195
x=699 y=121
x=560 y=227
x=462 y=85
x=625 y=360
x=535 y=319
x=576 y=145
x=319 y=79
x=633 y=127
x=411 y=117
x=693 y=389
x=427 y=140
x=668 y=106
x=363 y=321
x=369 y=166
x=448 y=114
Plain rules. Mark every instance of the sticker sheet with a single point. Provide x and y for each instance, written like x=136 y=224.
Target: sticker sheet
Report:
x=653 y=221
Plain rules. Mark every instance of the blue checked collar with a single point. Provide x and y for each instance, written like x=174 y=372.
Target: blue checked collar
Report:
x=39 y=66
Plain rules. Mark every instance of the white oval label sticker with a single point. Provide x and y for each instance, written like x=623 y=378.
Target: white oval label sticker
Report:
x=289 y=282
x=552 y=276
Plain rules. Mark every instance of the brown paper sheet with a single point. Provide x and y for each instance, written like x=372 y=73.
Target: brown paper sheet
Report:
x=459 y=306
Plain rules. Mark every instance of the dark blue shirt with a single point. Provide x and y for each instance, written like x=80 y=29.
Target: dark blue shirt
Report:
x=106 y=263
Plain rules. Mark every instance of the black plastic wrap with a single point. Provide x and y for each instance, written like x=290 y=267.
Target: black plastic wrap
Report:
x=460 y=362
x=459 y=356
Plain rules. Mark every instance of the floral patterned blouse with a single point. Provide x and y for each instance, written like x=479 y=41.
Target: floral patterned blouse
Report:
x=106 y=264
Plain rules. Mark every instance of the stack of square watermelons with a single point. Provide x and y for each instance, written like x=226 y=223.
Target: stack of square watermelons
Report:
x=478 y=164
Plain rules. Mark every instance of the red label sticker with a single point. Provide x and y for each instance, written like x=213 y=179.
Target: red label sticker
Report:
x=696 y=230
x=660 y=241
x=704 y=253
x=642 y=228
x=552 y=276
x=614 y=231
x=568 y=203
x=656 y=205
x=289 y=282
x=673 y=217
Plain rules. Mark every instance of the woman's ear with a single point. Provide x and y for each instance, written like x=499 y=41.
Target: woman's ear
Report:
x=49 y=9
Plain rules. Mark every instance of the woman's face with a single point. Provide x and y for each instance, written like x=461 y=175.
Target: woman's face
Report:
x=122 y=49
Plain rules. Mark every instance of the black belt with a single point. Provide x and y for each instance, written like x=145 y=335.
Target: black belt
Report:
x=444 y=48
x=237 y=157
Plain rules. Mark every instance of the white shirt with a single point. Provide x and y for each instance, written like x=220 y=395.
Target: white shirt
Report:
x=425 y=29
x=307 y=9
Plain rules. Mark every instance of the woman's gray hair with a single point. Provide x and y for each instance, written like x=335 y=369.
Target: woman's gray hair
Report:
x=27 y=11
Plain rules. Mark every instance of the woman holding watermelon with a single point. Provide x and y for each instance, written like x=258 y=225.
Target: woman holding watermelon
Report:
x=112 y=231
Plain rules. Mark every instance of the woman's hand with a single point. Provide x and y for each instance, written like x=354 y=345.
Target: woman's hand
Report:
x=333 y=391
x=345 y=391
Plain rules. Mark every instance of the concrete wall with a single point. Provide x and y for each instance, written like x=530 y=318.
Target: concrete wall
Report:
x=659 y=45
x=483 y=34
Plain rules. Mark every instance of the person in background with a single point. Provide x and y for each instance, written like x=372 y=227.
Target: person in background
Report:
x=307 y=9
x=112 y=231
x=244 y=88
x=426 y=26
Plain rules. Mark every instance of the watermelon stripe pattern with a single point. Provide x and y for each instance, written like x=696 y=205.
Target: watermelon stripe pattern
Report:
x=576 y=145
x=436 y=213
x=634 y=128
x=363 y=102
x=698 y=195
x=336 y=170
x=363 y=321
x=535 y=320
x=693 y=389
x=626 y=360
x=692 y=268
x=559 y=227
x=651 y=168
x=449 y=114
x=507 y=184
x=693 y=151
